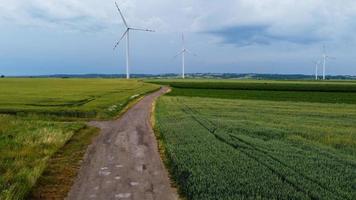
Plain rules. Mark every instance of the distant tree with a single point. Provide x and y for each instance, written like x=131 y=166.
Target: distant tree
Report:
x=2 y=76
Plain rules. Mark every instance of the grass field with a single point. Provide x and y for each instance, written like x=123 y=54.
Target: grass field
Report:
x=39 y=116
x=89 y=98
x=301 y=91
x=259 y=147
x=269 y=85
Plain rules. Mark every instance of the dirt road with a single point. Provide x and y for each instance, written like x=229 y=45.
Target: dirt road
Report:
x=124 y=162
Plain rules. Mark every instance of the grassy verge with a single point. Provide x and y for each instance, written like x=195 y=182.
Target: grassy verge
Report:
x=25 y=148
x=62 y=168
x=163 y=152
x=161 y=147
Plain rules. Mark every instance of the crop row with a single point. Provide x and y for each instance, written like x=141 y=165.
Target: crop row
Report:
x=264 y=85
x=212 y=158
x=299 y=96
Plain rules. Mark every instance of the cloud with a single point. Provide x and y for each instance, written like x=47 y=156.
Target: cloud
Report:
x=251 y=22
x=256 y=21
x=65 y=14
x=259 y=34
x=81 y=22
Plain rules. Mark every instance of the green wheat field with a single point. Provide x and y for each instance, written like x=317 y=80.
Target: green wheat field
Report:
x=260 y=139
x=220 y=139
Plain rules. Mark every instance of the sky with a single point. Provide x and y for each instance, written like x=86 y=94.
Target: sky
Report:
x=41 y=37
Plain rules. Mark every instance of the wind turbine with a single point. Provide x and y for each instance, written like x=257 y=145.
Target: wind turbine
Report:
x=127 y=34
x=325 y=57
x=317 y=63
x=183 y=52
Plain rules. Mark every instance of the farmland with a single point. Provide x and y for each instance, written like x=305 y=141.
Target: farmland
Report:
x=39 y=116
x=300 y=91
x=85 y=98
x=276 y=140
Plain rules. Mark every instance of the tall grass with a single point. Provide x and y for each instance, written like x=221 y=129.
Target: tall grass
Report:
x=25 y=147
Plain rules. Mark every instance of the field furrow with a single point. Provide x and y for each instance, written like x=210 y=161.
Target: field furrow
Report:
x=234 y=140
x=285 y=172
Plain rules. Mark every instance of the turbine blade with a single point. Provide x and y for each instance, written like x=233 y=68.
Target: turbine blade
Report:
x=122 y=37
x=141 y=29
x=183 y=42
x=180 y=53
x=330 y=57
x=122 y=16
x=324 y=49
x=191 y=52
x=316 y=61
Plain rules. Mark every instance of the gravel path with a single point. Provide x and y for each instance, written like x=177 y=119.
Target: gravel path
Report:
x=124 y=162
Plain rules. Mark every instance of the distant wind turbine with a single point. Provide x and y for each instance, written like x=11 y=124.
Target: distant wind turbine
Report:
x=317 y=63
x=325 y=57
x=183 y=52
x=127 y=34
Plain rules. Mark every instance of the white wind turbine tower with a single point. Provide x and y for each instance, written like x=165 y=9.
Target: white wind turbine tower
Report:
x=317 y=63
x=325 y=57
x=127 y=34
x=183 y=52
